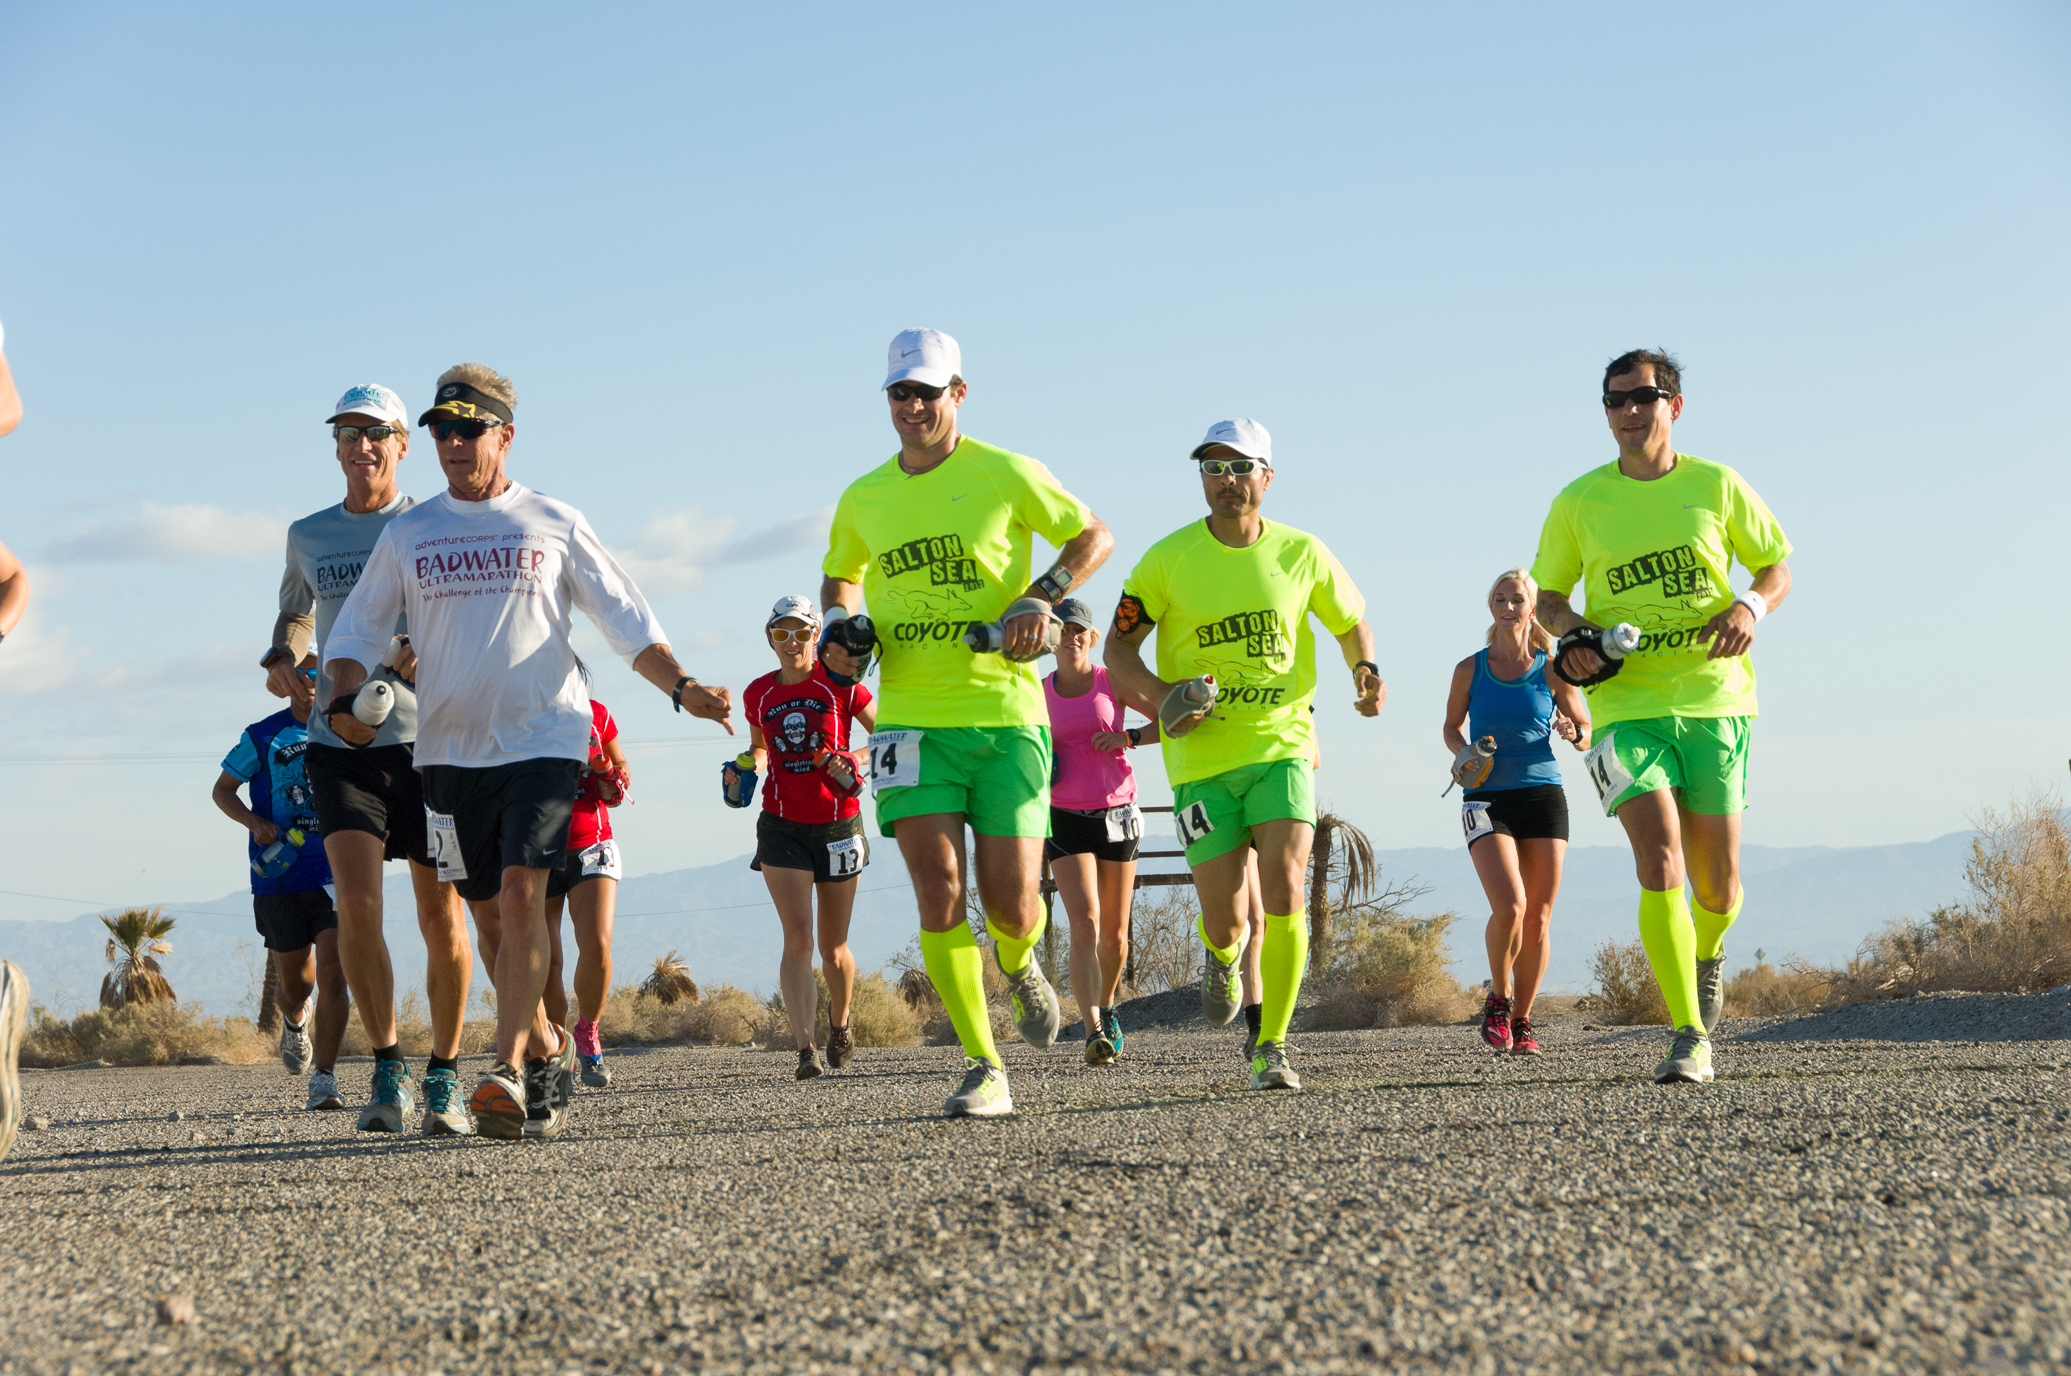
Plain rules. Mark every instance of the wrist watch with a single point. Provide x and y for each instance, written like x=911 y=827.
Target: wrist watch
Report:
x=1135 y=735
x=676 y=696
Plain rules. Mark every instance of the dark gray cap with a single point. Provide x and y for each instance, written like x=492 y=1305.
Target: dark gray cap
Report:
x=1075 y=612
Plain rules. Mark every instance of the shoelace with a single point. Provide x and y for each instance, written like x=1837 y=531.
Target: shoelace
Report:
x=1520 y=1029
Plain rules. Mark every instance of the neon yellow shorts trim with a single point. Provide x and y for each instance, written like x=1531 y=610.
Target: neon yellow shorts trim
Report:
x=1704 y=759
x=1215 y=815
x=998 y=777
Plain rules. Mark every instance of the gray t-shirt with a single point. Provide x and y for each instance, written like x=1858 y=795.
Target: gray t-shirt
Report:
x=325 y=555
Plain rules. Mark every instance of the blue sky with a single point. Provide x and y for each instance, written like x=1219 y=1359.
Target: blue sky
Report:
x=1404 y=238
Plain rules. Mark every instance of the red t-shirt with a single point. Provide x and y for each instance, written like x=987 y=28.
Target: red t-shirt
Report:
x=800 y=722
x=592 y=820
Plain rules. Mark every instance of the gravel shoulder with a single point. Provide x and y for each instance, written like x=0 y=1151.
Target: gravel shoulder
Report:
x=1850 y=1193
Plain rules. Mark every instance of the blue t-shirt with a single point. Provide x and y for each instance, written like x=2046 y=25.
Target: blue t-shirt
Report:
x=1519 y=714
x=270 y=759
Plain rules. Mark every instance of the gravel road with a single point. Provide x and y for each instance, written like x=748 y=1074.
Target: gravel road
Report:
x=1838 y=1200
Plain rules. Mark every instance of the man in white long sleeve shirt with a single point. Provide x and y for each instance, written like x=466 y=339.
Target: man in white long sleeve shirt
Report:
x=490 y=574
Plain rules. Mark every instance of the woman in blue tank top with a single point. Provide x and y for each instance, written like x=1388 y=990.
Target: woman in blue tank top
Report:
x=1515 y=814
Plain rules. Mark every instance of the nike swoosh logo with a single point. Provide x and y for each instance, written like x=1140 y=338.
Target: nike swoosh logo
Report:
x=908 y=353
x=1695 y=506
x=957 y=498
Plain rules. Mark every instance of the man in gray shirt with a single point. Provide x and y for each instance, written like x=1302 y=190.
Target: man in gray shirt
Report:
x=369 y=799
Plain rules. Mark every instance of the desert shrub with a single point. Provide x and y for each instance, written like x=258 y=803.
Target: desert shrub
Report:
x=1626 y=991
x=135 y=936
x=1762 y=991
x=878 y=1016
x=157 y=1033
x=1385 y=970
x=730 y=1016
x=413 y=1026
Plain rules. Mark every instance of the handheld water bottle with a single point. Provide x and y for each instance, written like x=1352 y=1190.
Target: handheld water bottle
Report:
x=1472 y=766
x=990 y=637
x=737 y=780
x=278 y=858
x=1186 y=700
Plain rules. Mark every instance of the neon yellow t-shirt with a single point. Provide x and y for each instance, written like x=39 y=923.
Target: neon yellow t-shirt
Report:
x=937 y=551
x=1657 y=554
x=1242 y=615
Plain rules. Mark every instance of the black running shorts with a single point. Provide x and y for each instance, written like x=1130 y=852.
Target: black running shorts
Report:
x=598 y=861
x=482 y=821
x=375 y=790
x=291 y=921
x=1108 y=833
x=1523 y=814
x=833 y=851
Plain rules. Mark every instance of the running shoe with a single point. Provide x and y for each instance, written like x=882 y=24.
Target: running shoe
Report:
x=1222 y=986
x=1711 y=990
x=983 y=1094
x=1689 y=1059
x=14 y=1015
x=1495 y=1022
x=841 y=1048
x=595 y=1074
x=1112 y=1025
x=1522 y=1042
x=562 y=1064
x=296 y=1050
x=1100 y=1048
x=545 y=1115
x=498 y=1103
x=1035 y=1004
x=444 y=1114
x=1270 y=1068
x=390 y=1101
x=809 y=1067
x=323 y=1091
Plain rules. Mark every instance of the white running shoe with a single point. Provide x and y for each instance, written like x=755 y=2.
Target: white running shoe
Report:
x=1689 y=1059
x=14 y=1015
x=1222 y=986
x=983 y=1094
x=1271 y=1069
x=323 y=1091
x=1036 y=1012
x=296 y=1050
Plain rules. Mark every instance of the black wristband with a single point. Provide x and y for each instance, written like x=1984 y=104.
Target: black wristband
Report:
x=1366 y=664
x=1135 y=735
x=676 y=696
x=1056 y=583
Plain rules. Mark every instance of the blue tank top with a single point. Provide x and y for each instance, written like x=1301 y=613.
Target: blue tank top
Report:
x=1519 y=714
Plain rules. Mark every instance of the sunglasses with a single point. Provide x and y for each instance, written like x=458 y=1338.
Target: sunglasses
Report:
x=906 y=391
x=353 y=434
x=1237 y=468
x=804 y=635
x=1638 y=396
x=443 y=430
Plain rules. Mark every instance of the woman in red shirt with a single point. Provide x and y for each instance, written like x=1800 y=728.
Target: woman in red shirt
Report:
x=588 y=879
x=809 y=838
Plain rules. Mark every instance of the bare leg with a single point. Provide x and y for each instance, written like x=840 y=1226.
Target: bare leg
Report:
x=332 y=999
x=932 y=845
x=1008 y=871
x=355 y=858
x=1076 y=885
x=297 y=980
x=837 y=902
x=1711 y=854
x=591 y=907
x=556 y=996
x=1495 y=860
x=1117 y=889
x=522 y=955
x=792 y=892
x=449 y=965
x=1541 y=860
x=1255 y=928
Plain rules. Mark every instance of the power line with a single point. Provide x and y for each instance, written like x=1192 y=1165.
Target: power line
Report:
x=660 y=741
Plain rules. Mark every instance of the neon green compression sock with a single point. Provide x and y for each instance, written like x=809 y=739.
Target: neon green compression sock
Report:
x=1281 y=962
x=1711 y=926
x=1015 y=950
x=1225 y=954
x=1670 y=939
x=959 y=975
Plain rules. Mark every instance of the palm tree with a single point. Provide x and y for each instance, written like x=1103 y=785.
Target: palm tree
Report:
x=671 y=981
x=135 y=936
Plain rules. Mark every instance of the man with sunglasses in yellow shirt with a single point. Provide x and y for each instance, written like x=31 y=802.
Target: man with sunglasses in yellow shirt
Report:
x=1231 y=597
x=937 y=538
x=1652 y=537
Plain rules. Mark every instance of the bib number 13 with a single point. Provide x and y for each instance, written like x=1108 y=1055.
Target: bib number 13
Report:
x=894 y=759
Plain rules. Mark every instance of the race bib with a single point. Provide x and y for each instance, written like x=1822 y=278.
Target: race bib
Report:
x=444 y=844
x=1610 y=777
x=1124 y=823
x=1192 y=821
x=846 y=857
x=1474 y=820
x=601 y=860
x=894 y=759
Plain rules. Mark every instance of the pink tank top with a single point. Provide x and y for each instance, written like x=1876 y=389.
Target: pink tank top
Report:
x=1082 y=778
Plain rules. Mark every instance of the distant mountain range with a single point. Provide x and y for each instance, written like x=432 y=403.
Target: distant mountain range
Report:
x=1818 y=902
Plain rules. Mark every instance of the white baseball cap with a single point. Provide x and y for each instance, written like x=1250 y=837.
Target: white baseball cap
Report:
x=371 y=399
x=1247 y=437
x=792 y=606
x=928 y=357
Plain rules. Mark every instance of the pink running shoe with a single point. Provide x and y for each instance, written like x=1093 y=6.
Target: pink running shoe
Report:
x=1495 y=1023
x=586 y=1043
x=1522 y=1042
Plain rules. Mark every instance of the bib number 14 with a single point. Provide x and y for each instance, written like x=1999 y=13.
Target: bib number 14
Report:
x=894 y=759
x=1192 y=823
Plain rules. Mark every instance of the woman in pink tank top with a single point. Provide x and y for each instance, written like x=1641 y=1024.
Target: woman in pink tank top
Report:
x=1094 y=824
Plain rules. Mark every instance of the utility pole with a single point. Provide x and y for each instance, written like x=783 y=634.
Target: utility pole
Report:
x=1319 y=884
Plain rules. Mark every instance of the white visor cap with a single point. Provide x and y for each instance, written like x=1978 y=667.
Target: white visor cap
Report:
x=928 y=357
x=1247 y=437
x=371 y=399
x=792 y=606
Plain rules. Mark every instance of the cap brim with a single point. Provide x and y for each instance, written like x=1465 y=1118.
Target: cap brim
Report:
x=378 y=416
x=1201 y=449
x=926 y=377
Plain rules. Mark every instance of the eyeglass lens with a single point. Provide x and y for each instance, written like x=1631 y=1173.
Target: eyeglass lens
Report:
x=1638 y=396
x=350 y=434
x=1215 y=468
x=466 y=429
x=907 y=391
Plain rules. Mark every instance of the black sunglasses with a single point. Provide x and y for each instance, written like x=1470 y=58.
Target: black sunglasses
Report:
x=1638 y=396
x=907 y=391
x=443 y=430
x=352 y=434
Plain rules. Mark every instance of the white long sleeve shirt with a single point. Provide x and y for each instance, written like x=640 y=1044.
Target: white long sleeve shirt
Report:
x=490 y=589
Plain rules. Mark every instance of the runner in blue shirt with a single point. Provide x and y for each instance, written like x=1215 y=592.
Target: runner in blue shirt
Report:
x=293 y=908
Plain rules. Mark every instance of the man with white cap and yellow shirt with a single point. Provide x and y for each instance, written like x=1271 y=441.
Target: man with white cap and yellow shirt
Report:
x=1231 y=598
x=937 y=540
